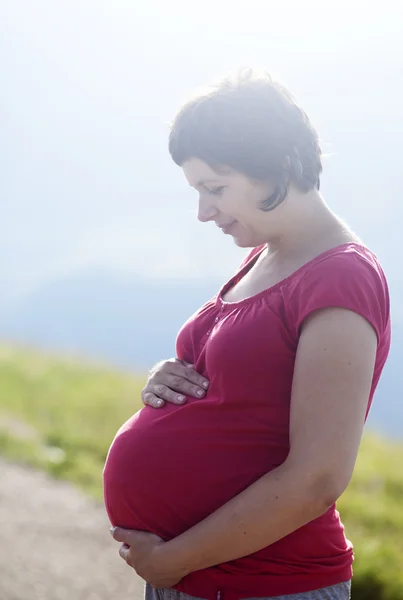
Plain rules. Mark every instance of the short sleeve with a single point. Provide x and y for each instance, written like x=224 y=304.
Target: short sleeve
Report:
x=350 y=279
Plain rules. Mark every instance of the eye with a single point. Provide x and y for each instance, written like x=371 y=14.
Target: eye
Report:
x=216 y=191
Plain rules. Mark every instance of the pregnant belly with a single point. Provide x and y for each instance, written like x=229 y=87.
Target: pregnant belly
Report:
x=168 y=469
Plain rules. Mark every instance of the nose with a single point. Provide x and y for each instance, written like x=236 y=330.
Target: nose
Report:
x=207 y=209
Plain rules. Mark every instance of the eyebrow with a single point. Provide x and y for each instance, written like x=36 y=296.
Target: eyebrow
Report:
x=204 y=181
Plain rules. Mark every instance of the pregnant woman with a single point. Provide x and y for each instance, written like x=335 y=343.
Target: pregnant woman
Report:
x=224 y=485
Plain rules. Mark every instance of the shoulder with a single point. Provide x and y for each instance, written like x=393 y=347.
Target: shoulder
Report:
x=348 y=260
x=349 y=276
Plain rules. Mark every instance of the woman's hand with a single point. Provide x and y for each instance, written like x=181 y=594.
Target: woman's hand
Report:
x=171 y=381
x=145 y=553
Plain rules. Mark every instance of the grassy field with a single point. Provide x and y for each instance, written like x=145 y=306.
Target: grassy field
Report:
x=60 y=415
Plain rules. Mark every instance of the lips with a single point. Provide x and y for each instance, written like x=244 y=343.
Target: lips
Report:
x=228 y=227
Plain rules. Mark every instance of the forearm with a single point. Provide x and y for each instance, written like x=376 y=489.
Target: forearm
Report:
x=271 y=508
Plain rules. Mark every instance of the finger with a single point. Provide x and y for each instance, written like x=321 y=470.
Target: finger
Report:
x=160 y=390
x=187 y=364
x=124 y=552
x=183 y=369
x=151 y=399
x=189 y=373
x=121 y=535
x=179 y=382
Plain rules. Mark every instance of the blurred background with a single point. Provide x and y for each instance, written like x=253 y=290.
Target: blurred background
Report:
x=99 y=227
x=101 y=254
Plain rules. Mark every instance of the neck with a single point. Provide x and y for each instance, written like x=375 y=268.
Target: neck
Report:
x=309 y=226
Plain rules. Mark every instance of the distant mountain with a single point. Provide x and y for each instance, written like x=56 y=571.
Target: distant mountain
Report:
x=133 y=323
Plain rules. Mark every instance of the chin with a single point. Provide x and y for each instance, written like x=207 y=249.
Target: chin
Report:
x=243 y=242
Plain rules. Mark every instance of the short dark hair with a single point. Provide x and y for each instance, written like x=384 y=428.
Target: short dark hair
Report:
x=251 y=123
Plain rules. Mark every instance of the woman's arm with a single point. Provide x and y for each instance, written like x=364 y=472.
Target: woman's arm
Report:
x=331 y=386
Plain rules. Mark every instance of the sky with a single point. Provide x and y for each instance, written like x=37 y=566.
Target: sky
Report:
x=88 y=90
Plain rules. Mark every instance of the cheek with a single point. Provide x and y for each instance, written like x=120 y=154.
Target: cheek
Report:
x=249 y=198
x=234 y=203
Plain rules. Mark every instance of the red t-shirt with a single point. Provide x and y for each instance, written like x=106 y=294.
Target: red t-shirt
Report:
x=168 y=469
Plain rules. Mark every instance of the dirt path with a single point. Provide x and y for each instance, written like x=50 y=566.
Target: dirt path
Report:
x=55 y=543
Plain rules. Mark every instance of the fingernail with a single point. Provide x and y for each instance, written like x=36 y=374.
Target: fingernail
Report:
x=159 y=403
x=112 y=530
x=180 y=398
x=205 y=384
x=200 y=393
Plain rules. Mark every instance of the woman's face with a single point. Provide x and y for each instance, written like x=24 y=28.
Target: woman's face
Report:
x=232 y=201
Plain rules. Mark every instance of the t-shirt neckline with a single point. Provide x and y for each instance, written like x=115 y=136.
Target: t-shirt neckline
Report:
x=254 y=258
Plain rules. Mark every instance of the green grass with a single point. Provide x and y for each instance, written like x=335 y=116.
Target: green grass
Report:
x=372 y=511
x=60 y=415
